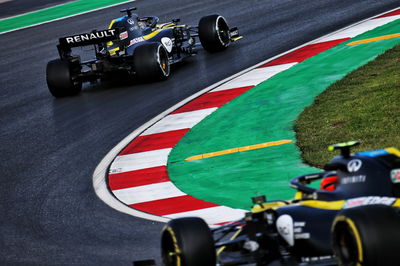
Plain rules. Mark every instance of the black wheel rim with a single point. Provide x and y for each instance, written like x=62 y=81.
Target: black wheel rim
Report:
x=168 y=250
x=345 y=245
x=223 y=31
x=163 y=61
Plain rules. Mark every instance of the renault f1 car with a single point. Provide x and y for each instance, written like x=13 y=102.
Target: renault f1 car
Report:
x=140 y=47
x=352 y=219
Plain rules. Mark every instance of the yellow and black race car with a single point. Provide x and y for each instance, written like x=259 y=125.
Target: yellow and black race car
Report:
x=352 y=219
x=137 y=46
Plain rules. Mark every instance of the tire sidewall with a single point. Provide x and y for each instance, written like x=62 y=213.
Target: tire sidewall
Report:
x=193 y=239
x=210 y=30
x=59 y=78
x=150 y=62
x=375 y=229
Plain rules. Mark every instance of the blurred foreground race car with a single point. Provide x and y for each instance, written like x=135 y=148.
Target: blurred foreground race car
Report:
x=353 y=219
x=139 y=47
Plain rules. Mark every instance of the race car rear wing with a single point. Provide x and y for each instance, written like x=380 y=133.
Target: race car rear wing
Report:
x=84 y=39
x=94 y=37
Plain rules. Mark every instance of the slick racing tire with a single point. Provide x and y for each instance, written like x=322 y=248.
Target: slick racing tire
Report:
x=187 y=242
x=214 y=33
x=367 y=235
x=150 y=62
x=60 y=76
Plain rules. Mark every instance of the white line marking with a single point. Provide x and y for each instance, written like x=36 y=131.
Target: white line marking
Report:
x=254 y=77
x=100 y=174
x=101 y=189
x=57 y=19
x=140 y=160
x=179 y=121
x=34 y=11
x=361 y=28
x=213 y=215
x=147 y=193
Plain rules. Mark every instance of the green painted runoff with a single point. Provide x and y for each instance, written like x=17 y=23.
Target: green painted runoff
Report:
x=264 y=113
x=55 y=12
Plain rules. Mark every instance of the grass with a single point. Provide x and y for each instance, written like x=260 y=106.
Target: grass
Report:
x=364 y=106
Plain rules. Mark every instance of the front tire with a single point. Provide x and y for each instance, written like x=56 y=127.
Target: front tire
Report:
x=150 y=62
x=61 y=78
x=367 y=235
x=214 y=33
x=187 y=242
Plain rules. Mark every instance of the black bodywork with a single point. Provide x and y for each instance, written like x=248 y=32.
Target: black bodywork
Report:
x=299 y=231
x=363 y=178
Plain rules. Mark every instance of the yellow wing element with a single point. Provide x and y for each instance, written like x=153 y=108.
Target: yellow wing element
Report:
x=165 y=25
x=237 y=38
x=267 y=206
x=111 y=24
x=318 y=204
x=393 y=151
x=109 y=44
x=326 y=205
x=232 y=238
x=396 y=203
x=113 y=51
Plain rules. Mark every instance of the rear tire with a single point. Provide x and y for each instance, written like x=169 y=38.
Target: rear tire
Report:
x=188 y=242
x=60 y=76
x=367 y=235
x=150 y=62
x=214 y=33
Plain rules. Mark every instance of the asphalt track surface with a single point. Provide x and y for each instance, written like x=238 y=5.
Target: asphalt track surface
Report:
x=16 y=7
x=50 y=147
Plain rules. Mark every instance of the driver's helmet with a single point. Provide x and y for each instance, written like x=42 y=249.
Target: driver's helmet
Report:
x=329 y=183
x=142 y=25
